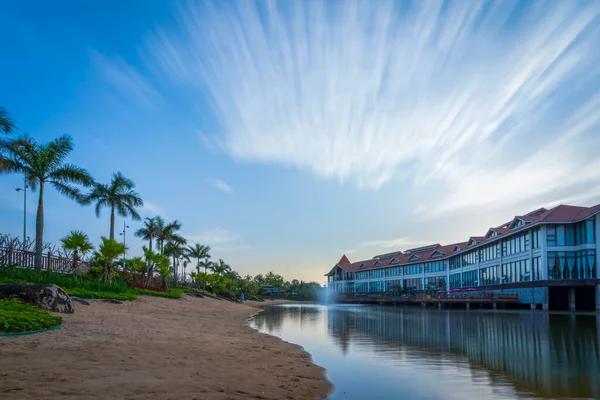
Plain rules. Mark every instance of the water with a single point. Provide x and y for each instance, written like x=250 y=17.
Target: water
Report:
x=386 y=352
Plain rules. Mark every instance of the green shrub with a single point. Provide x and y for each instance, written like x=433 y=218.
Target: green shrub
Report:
x=65 y=281
x=91 y=294
x=16 y=316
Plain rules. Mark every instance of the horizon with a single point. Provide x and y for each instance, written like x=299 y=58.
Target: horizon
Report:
x=286 y=134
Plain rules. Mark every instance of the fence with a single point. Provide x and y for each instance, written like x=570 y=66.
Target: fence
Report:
x=14 y=252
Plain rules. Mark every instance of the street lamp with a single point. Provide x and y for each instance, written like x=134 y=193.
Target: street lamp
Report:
x=125 y=226
x=24 y=189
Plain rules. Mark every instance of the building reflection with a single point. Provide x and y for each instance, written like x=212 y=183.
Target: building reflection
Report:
x=540 y=355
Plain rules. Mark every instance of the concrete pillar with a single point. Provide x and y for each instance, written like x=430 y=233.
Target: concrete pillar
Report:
x=468 y=306
x=572 y=306
x=545 y=306
x=423 y=304
x=494 y=306
x=533 y=306
x=440 y=306
x=597 y=297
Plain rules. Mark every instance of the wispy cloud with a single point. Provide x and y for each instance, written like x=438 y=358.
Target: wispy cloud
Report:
x=150 y=209
x=222 y=186
x=486 y=102
x=125 y=80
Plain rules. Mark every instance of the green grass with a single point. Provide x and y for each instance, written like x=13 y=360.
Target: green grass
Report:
x=175 y=293
x=16 y=316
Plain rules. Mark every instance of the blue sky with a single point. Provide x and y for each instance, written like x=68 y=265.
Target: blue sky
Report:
x=284 y=134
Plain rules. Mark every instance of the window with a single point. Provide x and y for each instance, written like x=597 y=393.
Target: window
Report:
x=469 y=279
x=436 y=266
x=413 y=284
x=536 y=271
x=413 y=269
x=572 y=264
x=515 y=244
x=455 y=280
x=435 y=283
x=470 y=258
x=455 y=263
x=572 y=235
x=535 y=238
x=489 y=252
x=489 y=275
x=376 y=286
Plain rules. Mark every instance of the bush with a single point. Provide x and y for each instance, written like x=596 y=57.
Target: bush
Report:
x=65 y=281
x=16 y=316
x=91 y=294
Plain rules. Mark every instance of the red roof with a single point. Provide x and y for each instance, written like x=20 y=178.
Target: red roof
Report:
x=558 y=214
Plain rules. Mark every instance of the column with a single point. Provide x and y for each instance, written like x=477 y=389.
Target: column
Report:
x=572 y=299
x=598 y=298
x=544 y=253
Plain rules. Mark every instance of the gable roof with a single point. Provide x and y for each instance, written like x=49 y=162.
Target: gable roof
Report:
x=558 y=214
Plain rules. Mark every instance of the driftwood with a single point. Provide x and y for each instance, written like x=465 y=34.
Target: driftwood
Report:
x=46 y=297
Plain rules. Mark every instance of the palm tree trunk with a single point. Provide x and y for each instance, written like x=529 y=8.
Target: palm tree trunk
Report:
x=39 y=230
x=112 y=222
x=75 y=259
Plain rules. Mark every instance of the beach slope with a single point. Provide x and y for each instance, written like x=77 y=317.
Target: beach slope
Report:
x=156 y=348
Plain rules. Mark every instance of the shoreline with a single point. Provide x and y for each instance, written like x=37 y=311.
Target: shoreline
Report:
x=155 y=348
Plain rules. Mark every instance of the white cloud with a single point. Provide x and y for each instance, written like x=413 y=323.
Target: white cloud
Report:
x=222 y=186
x=213 y=237
x=152 y=209
x=125 y=80
x=483 y=102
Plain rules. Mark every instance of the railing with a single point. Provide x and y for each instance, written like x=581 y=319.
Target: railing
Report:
x=421 y=296
x=50 y=262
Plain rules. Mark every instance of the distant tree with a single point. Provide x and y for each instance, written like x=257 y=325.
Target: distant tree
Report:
x=199 y=252
x=176 y=249
x=119 y=196
x=79 y=243
x=148 y=232
x=166 y=232
x=221 y=268
x=163 y=268
x=41 y=165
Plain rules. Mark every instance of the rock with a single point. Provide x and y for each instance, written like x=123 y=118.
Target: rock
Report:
x=80 y=300
x=112 y=301
x=44 y=296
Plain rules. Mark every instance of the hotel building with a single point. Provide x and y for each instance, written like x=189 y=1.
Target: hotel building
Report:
x=545 y=257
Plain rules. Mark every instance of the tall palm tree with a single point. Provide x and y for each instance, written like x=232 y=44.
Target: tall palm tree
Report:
x=6 y=123
x=79 y=243
x=41 y=165
x=166 y=232
x=148 y=232
x=176 y=249
x=199 y=252
x=118 y=195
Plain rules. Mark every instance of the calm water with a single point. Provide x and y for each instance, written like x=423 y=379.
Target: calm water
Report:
x=373 y=352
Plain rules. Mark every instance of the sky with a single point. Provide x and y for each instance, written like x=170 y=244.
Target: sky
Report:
x=286 y=133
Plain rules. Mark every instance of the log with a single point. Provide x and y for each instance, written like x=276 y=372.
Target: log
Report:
x=44 y=296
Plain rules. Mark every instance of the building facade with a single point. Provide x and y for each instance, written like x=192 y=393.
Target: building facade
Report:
x=529 y=256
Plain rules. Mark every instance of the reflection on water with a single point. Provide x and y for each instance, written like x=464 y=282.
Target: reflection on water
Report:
x=374 y=352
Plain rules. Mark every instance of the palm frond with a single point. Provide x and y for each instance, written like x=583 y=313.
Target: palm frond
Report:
x=7 y=125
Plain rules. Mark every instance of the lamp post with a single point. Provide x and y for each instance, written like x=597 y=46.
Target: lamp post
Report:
x=24 y=190
x=125 y=226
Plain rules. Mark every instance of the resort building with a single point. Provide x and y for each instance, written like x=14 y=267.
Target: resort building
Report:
x=546 y=257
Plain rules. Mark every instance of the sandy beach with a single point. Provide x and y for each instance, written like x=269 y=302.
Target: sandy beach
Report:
x=156 y=348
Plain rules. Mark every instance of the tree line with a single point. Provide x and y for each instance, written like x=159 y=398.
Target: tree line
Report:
x=167 y=253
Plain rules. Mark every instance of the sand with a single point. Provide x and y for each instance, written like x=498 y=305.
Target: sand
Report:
x=156 y=348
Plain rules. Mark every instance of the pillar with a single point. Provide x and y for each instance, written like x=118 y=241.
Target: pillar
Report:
x=597 y=297
x=545 y=306
x=572 y=306
x=494 y=306
x=533 y=306
x=468 y=306
x=440 y=306
x=423 y=304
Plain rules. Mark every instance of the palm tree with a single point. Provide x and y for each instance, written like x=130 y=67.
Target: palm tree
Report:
x=6 y=123
x=45 y=164
x=198 y=251
x=166 y=232
x=118 y=195
x=221 y=267
x=176 y=249
x=148 y=232
x=107 y=253
x=79 y=243
x=207 y=264
x=162 y=265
